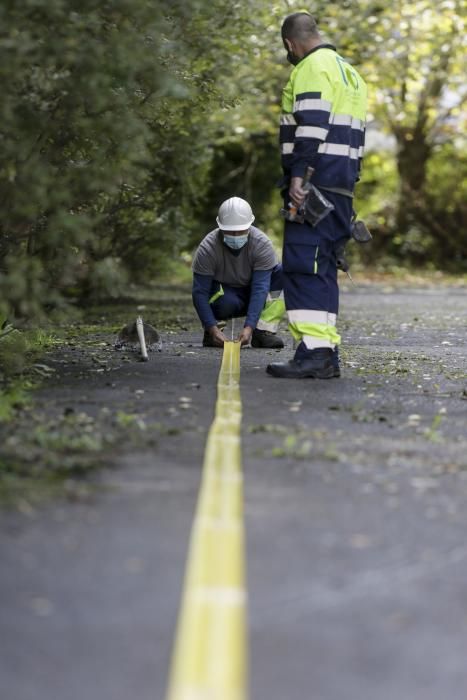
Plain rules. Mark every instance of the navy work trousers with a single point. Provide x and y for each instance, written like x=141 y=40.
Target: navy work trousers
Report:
x=309 y=263
x=309 y=258
x=235 y=300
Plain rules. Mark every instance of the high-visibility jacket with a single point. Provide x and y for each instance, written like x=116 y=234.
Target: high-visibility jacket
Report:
x=323 y=120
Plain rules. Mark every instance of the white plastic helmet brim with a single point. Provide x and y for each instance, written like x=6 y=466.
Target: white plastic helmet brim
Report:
x=236 y=227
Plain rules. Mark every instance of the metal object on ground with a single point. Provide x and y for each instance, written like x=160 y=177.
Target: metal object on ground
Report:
x=141 y=338
x=129 y=338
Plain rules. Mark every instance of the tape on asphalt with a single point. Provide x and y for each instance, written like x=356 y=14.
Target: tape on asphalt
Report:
x=210 y=654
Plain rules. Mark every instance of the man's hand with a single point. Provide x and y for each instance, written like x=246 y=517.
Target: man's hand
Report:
x=245 y=335
x=217 y=337
x=296 y=192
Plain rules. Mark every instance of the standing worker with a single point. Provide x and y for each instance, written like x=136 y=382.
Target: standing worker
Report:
x=236 y=273
x=322 y=128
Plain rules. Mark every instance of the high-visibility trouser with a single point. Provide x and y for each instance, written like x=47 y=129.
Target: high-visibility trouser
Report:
x=230 y=302
x=310 y=275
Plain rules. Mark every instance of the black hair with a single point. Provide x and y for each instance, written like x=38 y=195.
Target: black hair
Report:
x=299 y=25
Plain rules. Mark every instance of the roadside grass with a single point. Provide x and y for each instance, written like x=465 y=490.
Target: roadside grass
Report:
x=20 y=370
x=48 y=451
x=43 y=454
x=14 y=396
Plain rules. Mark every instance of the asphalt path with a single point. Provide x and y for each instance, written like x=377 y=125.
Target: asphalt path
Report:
x=355 y=507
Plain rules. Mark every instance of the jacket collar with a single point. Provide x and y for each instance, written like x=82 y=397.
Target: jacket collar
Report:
x=317 y=48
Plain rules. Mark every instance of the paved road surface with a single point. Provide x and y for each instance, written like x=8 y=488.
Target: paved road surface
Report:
x=356 y=516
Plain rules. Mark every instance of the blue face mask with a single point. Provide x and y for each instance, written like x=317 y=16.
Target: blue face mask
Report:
x=235 y=242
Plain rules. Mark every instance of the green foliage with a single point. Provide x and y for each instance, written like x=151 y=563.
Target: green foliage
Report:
x=293 y=448
x=410 y=53
x=13 y=349
x=65 y=140
x=20 y=348
x=73 y=433
x=11 y=398
x=128 y=420
x=124 y=124
x=99 y=167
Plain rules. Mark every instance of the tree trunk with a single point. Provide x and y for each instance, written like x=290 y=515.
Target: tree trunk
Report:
x=413 y=154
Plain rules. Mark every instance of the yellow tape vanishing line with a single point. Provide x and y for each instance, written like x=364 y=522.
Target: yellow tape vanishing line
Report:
x=210 y=655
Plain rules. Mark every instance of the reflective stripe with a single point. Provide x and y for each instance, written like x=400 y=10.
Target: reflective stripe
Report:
x=309 y=104
x=309 y=316
x=267 y=326
x=317 y=333
x=361 y=151
x=217 y=295
x=311 y=132
x=339 y=149
x=272 y=314
x=313 y=343
x=287 y=148
x=287 y=120
x=347 y=120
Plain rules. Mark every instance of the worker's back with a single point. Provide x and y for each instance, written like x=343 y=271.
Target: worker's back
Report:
x=324 y=106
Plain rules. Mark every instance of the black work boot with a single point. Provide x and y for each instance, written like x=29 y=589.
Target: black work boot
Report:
x=302 y=351
x=316 y=364
x=335 y=362
x=266 y=339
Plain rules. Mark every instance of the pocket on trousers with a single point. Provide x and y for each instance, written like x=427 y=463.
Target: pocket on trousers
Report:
x=300 y=258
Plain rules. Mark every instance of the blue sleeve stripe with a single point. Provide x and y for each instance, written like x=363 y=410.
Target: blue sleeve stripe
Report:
x=343 y=134
x=286 y=133
x=308 y=96
x=287 y=158
x=312 y=117
x=335 y=173
x=306 y=148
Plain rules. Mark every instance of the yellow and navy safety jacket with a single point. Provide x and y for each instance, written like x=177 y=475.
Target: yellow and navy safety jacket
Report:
x=323 y=120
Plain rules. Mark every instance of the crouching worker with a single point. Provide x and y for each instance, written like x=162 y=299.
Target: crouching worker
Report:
x=236 y=273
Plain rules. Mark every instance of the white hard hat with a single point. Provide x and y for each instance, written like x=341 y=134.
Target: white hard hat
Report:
x=235 y=215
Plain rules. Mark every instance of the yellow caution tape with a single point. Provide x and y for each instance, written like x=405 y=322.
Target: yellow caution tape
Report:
x=210 y=654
